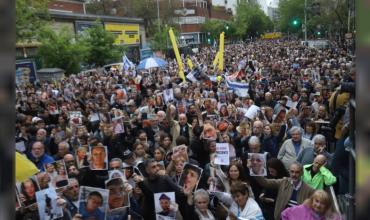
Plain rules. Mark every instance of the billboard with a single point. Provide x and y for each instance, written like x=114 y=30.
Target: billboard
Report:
x=81 y=26
x=127 y=34
x=25 y=71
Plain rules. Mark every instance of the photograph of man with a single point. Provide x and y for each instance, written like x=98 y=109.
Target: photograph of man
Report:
x=99 y=158
x=190 y=177
x=257 y=164
x=90 y=208
x=117 y=193
x=165 y=206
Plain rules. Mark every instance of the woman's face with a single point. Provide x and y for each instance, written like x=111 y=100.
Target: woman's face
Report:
x=166 y=142
x=50 y=168
x=61 y=171
x=201 y=204
x=212 y=147
x=318 y=206
x=256 y=164
x=81 y=154
x=30 y=189
x=267 y=130
x=139 y=151
x=240 y=199
x=158 y=155
x=309 y=129
x=272 y=172
x=233 y=172
x=179 y=166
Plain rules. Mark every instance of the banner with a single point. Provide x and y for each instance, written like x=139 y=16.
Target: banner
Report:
x=222 y=154
x=25 y=71
x=126 y=34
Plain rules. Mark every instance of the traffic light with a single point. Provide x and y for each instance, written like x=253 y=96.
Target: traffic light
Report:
x=227 y=27
x=209 y=40
x=295 y=22
x=318 y=33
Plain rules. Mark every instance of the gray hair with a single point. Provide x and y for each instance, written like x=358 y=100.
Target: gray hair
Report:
x=295 y=129
x=64 y=143
x=254 y=140
x=116 y=159
x=318 y=137
x=201 y=193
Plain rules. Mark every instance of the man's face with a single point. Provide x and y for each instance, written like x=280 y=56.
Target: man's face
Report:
x=182 y=120
x=93 y=202
x=38 y=150
x=152 y=169
x=296 y=136
x=165 y=204
x=62 y=150
x=41 y=135
x=115 y=165
x=73 y=190
x=98 y=157
x=318 y=162
x=295 y=172
x=116 y=198
x=257 y=128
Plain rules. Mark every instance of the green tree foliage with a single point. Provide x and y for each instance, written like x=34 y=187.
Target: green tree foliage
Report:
x=214 y=27
x=329 y=17
x=290 y=10
x=59 y=49
x=250 y=20
x=161 y=40
x=28 y=21
x=100 y=46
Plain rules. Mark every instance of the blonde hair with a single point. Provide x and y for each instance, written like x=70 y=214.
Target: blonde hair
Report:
x=325 y=198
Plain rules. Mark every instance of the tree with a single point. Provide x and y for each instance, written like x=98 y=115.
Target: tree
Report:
x=100 y=46
x=61 y=50
x=161 y=40
x=289 y=11
x=214 y=27
x=31 y=15
x=251 y=20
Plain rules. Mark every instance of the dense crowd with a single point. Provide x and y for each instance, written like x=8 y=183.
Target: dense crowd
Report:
x=143 y=144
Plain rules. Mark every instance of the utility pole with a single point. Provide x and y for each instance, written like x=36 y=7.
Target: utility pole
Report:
x=159 y=21
x=305 y=22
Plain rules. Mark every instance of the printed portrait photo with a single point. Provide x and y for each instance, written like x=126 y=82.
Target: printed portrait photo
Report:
x=165 y=205
x=257 y=164
x=93 y=202
x=58 y=173
x=98 y=157
x=190 y=177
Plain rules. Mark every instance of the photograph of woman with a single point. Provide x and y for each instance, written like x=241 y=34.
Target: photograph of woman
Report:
x=28 y=189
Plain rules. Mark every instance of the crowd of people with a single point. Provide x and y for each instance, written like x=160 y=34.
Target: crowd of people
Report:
x=124 y=136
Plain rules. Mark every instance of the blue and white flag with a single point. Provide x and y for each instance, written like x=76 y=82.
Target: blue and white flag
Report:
x=127 y=63
x=240 y=89
x=214 y=44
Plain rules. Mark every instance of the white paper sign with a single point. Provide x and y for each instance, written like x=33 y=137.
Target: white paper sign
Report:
x=222 y=154
x=252 y=112
x=168 y=95
x=19 y=146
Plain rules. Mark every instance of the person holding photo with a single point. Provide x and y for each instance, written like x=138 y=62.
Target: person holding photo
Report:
x=90 y=209
x=61 y=179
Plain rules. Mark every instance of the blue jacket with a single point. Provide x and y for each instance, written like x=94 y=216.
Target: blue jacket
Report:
x=45 y=159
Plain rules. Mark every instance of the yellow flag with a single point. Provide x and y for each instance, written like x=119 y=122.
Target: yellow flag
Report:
x=189 y=63
x=24 y=168
x=177 y=54
x=216 y=60
x=221 y=52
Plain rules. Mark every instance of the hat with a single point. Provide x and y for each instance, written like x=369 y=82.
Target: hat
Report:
x=127 y=154
x=36 y=119
x=164 y=196
x=242 y=125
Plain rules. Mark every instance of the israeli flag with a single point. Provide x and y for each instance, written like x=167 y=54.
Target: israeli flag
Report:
x=214 y=44
x=127 y=63
x=240 y=89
